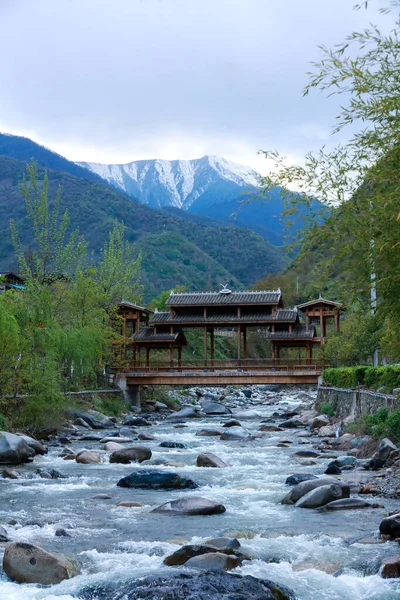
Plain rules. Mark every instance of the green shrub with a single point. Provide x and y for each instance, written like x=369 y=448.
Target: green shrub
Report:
x=112 y=405
x=327 y=409
x=371 y=377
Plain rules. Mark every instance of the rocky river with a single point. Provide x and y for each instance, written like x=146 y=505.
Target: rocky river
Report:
x=115 y=537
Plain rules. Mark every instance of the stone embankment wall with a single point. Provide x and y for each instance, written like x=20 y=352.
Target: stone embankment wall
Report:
x=353 y=404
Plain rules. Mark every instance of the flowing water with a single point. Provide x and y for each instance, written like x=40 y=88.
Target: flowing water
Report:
x=312 y=552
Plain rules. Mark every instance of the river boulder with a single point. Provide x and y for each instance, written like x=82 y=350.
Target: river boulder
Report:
x=236 y=433
x=88 y=457
x=347 y=504
x=301 y=489
x=14 y=450
x=87 y=417
x=390 y=526
x=327 y=431
x=223 y=543
x=215 y=408
x=319 y=421
x=291 y=423
x=191 y=505
x=299 y=478
x=37 y=446
x=217 y=585
x=209 y=460
x=185 y=553
x=153 y=480
x=172 y=445
x=209 y=432
x=320 y=496
x=214 y=561
x=391 y=568
x=112 y=446
x=26 y=563
x=384 y=450
x=132 y=454
x=136 y=421
x=232 y=423
x=187 y=412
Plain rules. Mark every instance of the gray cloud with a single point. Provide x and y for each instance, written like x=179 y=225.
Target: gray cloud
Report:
x=117 y=80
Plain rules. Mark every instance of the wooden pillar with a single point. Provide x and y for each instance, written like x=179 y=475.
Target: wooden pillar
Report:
x=147 y=357
x=337 y=321
x=245 y=344
x=307 y=321
x=239 y=336
x=212 y=346
x=180 y=357
x=139 y=357
x=124 y=334
x=134 y=355
x=205 y=346
x=171 y=355
x=321 y=324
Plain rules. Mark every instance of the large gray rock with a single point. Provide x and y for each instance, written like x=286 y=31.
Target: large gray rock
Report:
x=132 y=454
x=3 y=534
x=217 y=585
x=301 y=489
x=103 y=419
x=136 y=421
x=191 y=505
x=347 y=503
x=236 y=433
x=26 y=563
x=37 y=446
x=214 y=561
x=223 y=543
x=87 y=417
x=320 y=496
x=299 y=478
x=153 y=479
x=187 y=412
x=232 y=423
x=247 y=414
x=209 y=432
x=384 y=449
x=210 y=460
x=320 y=421
x=327 y=431
x=360 y=441
x=215 y=408
x=390 y=526
x=181 y=556
x=14 y=450
x=291 y=423
x=88 y=457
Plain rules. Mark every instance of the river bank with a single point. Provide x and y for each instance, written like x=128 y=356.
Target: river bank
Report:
x=327 y=554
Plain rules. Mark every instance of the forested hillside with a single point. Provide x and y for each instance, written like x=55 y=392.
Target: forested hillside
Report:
x=175 y=250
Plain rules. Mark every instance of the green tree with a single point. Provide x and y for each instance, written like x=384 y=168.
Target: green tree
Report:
x=52 y=252
x=118 y=270
x=359 y=179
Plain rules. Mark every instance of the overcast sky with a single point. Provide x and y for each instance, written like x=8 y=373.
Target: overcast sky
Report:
x=121 y=80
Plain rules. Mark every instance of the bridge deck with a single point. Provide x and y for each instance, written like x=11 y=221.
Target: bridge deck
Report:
x=225 y=372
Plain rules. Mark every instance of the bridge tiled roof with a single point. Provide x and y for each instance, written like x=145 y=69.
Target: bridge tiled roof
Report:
x=283 y=315
x=218 y=298
x=319 y=300
x=146 y=334
x=298 y=332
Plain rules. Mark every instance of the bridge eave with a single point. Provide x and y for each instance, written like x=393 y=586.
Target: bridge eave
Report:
x=213 y=379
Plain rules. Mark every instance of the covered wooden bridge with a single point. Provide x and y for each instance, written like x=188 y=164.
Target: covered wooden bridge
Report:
x=226 y=310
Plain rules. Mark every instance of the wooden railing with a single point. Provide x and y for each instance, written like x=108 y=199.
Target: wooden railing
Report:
x=243 y=365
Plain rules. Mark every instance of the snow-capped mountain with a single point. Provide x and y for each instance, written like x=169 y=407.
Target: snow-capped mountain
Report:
x=180 y=183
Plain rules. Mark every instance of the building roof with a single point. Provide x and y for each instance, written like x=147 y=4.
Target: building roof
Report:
x=146 y=334
x=319 y=300
x=281 y=315
x=298 y=332
x=134 y=306
x=225 y=297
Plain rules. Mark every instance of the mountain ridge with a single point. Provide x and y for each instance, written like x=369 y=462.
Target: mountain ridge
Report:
x=177 y=183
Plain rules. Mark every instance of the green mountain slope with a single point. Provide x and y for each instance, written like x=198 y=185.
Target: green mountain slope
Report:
x=175 y=250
